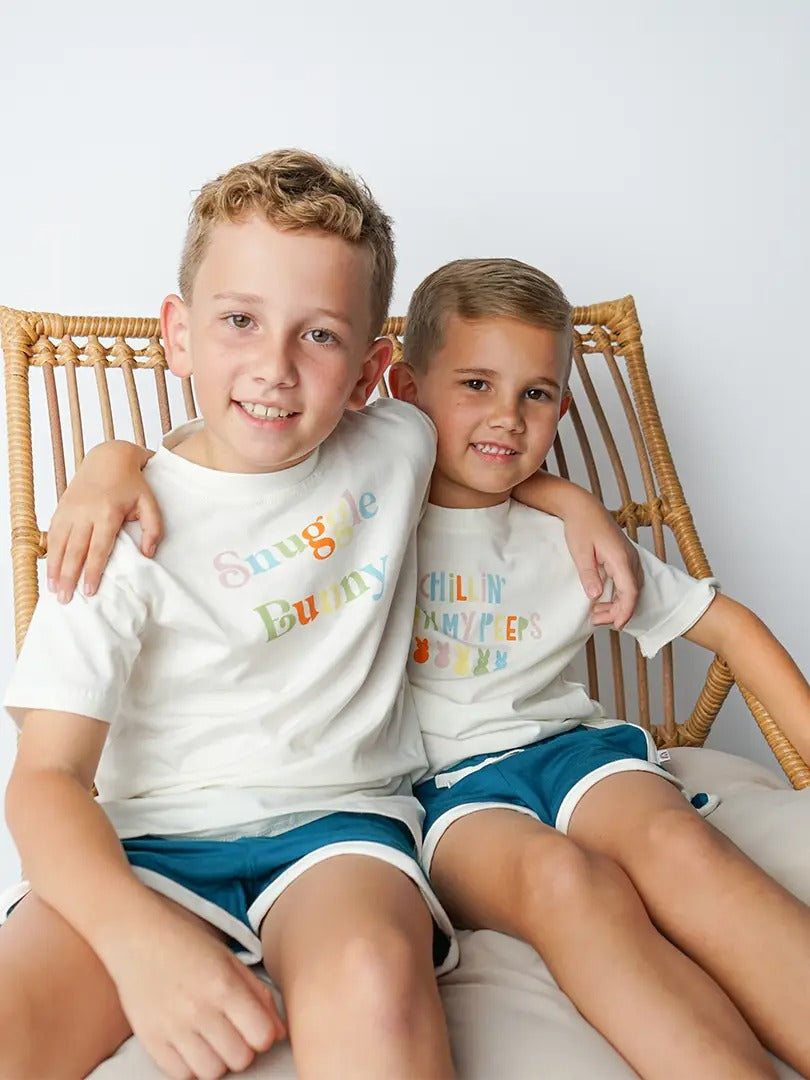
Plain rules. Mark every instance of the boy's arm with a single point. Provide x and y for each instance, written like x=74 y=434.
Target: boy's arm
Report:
x=69 y=850
x=594 y=540
x=107 y=490
x=760 y=664
x=171 y=976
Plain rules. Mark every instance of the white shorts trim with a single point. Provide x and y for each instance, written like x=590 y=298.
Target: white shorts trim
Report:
x=11 y=896
x=443 y=823
x=569 y=803
x=251 y=953
x=448 y=779
x=409 y=866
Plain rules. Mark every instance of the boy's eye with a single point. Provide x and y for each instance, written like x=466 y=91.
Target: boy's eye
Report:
x=475 y=384
x=239 y=321
x=537 y=394
x=320 y=336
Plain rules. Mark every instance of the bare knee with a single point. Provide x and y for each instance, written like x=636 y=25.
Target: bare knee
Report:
x=683 y=841
x=379 y=975
x=569 y=882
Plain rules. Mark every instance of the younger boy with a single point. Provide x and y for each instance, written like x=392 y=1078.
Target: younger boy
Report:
x=544 y=819
x=241 y=699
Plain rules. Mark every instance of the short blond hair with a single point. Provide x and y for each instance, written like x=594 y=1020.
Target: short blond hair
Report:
x=483 y=289
x=294 y=189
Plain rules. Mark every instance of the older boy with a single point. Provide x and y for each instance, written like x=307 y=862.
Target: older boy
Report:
x=241 y=699
x=544 y=819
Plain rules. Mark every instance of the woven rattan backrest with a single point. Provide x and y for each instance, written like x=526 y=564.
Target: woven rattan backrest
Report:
x=613 y=442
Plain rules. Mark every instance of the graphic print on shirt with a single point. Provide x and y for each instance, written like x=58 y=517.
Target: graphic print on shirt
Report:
x=421 y=654
x=475 y=622
x=319 y=539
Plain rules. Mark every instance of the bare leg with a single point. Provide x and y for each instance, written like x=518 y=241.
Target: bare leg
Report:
x=739 y=925
x=350 y=945
x=505 y=871
x=59 y=1010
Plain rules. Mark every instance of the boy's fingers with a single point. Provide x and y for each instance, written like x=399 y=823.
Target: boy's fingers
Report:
x=588 y=570
x=57 y=541
x=98 y=555
x=620 y=611
x=626 y=590
x=151 y=523
x=255 y=1014
x=201 y=1059
x=602 y=607
x=228 y=1043
x=270 y=1003
x=171 y=1062
x=591 y=583
x=72 y=561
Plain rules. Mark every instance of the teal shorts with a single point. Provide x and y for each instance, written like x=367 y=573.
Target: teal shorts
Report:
x=232 y=884
x=545 y=779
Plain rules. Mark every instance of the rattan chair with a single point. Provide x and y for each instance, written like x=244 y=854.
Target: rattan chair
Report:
x=60 y=347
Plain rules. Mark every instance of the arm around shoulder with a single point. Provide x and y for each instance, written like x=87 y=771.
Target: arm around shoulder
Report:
x=594 y=540
x=107 y=490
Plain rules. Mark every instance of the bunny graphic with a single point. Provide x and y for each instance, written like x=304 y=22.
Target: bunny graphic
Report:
x=421 y=653
x=481 y=663
x=462 y=664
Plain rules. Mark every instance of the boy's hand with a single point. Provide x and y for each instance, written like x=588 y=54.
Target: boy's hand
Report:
x=597 y=545
x=601 y=550
x=107 y=490
x=197 y=1009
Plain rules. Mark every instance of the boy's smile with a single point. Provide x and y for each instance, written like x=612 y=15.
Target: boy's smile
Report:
x=277 y=337
x=494 y=391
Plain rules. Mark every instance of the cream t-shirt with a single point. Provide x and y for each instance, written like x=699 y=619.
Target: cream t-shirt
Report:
x=500 y=615
x=255 y=668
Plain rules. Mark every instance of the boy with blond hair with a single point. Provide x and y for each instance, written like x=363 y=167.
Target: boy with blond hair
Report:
x=240 y=699
x=543 y=818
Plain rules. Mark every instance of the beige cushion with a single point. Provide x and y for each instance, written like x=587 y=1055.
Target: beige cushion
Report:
x=507 y=1017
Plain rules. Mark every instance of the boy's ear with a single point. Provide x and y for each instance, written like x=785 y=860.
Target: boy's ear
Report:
x=402 y=380
x=565 y=402
x=377 y=360
x=174 y=319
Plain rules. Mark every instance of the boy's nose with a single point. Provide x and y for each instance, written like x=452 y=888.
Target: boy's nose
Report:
x=275 y=368
x=508 y=418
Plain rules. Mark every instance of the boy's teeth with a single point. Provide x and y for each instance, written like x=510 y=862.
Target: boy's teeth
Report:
x=488 y=448
x=263 y=410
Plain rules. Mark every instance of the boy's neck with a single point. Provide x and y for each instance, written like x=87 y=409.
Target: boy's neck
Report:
x=204 y=449
x=444 y=492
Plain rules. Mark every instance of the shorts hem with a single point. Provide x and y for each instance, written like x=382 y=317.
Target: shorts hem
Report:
x=591 y=779
x=251 y=951
x=405 y=863
x=455 y=813
x=11 y=896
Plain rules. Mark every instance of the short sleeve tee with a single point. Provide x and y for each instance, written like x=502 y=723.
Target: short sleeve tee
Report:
x=255 y=667
x=500 y=614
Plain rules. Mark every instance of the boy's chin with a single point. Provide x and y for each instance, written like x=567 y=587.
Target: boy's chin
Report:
x=492 y=484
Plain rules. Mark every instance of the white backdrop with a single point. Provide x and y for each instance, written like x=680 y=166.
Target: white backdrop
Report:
x=645 y=147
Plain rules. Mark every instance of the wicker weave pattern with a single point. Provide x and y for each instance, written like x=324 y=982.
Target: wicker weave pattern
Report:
x=605 y=334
